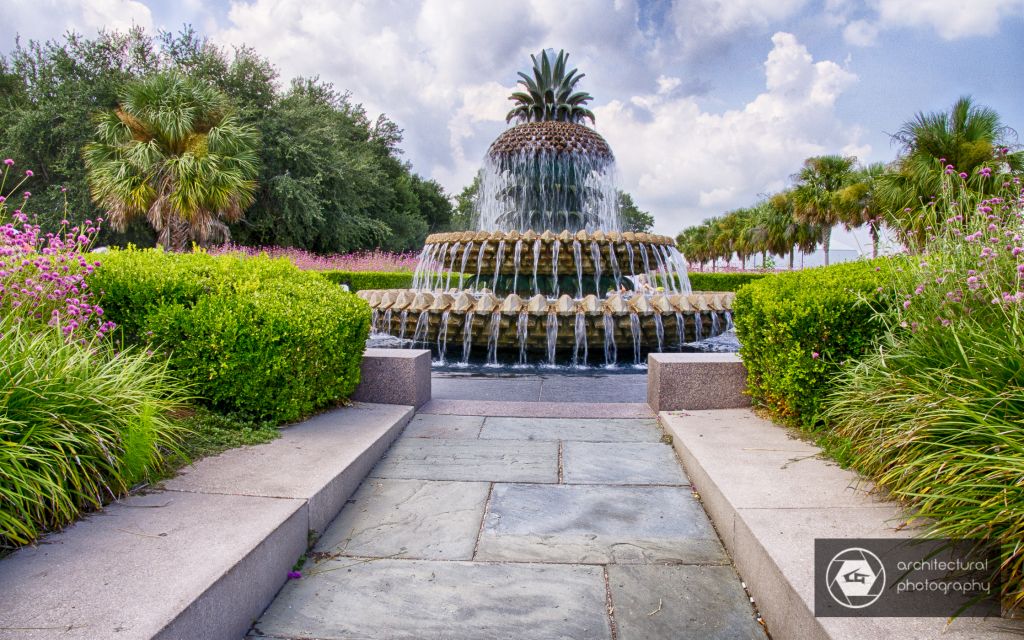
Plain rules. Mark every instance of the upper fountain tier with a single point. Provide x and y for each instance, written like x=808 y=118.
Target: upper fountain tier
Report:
x=556 y=138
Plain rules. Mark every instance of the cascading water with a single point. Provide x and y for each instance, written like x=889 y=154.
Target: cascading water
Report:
x=515 y=260
x=467 y=337
x=629 y=249
x=438 y=268
x=698 y=334
x=647 y=266
x=374 y=316
x=386 y=324
x=555 y=246
x=611 y=351
x=420 y=334
x=448 y=281
x=581 y=336
x=728 y=321
x=680 y=262
x=634 y=328
x=595 y=254
x=442 y=336
x=479 y=263
x=492 y=338
x=661 y=270
x=714 y=324
x=680 y=330
x=616 y=272
x=659 y=329
x=401 y=332
x=552 y=330
x=522 y=327
x=499 y=256
x=536 y=262
x=578 y=255
x=465 y=258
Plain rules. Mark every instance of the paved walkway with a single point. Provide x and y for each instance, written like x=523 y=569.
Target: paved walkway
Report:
x=479 y=527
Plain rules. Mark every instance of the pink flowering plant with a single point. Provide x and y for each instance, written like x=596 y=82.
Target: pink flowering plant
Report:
x=933 y=413
x=42 y=276
x=366 y=261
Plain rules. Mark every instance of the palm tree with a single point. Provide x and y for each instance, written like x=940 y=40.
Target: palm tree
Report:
x=967 y=136
x=549 y=94
x=860 y=204
x=816 y=193
x=175 y=151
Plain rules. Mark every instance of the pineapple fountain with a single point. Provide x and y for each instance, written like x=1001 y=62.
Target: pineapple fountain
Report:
x=543 y=275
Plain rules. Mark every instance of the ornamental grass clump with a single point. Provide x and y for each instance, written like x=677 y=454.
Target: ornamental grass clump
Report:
x=80 y=422
x=935 y=413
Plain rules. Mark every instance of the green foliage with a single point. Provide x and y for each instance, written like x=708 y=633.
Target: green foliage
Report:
x=252 y=335
x=784 y=320
x=722 y=281
x=213 y=433
x=331 y=180
x=633 y=219
x=360 y=280
x=278 y=349
x=79 y=424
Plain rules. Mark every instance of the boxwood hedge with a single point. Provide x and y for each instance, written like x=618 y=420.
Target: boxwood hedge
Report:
x=722 y=281
x=796 y=329
x=255 y=336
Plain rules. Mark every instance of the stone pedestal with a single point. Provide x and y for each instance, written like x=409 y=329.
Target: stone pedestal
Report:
x=395 y=376
x=697 y=381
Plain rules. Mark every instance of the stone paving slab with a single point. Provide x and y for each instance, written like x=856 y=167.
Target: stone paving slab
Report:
x=691 y=603
x=416 y=518
x=613 y=388
x=473 y=460
x=539 y=409
x=164 y=565
x=435 y=426
x=391 y=599
x=597 y=524
x=589 y=430
x=465 y=388
x=620 y=463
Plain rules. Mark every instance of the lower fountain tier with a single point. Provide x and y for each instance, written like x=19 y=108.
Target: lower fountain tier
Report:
x=449 y=329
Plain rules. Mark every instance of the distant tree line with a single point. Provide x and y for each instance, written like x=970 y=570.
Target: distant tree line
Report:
x=327 y=177
x=833 y=190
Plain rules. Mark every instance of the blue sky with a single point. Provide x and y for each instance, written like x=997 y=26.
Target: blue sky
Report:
x=706 y=103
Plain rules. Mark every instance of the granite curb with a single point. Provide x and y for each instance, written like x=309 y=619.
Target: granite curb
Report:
x=770 y=496
x=204 y=557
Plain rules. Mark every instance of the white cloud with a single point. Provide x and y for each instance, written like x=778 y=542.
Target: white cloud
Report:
x=688 y=164
x=46 y=19
x=951 y=19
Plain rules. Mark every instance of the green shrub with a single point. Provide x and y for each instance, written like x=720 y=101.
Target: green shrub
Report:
x=359 y=280
x=797 y=328
x=79 y=424
x=134 y=283
x=722 y=281
x=278 y=349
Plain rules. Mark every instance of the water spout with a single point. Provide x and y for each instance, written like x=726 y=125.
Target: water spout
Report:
x=448 y=281
x=442 y=335
x=465 y=258
x=680 y=329
x=515 y=278
x=422 y=324
x=629 y=249
x=615 y=266
x=552 y=336
x=698 y=334
x=438 y=268
x=536 y=261
x=479 y=263
x=554 y=263
x=522 y=327
x=581 y=336
x=659 y=328
x=611 y=351
x=467 y=337
x=401 y=333
x=729 y=326
x=497 y=265
x=492 y=338
x=595 y=255
x=386 y=325
x=661 y=269
x=634 y=328
x=680 y=262
x=577 y=255
x=647 y=266
x=715 y=329
x=374 y=315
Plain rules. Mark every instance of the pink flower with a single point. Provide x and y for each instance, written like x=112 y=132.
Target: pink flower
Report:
x=29 y=173
x=815 y=354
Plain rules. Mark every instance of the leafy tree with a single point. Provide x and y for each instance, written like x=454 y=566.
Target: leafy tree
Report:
x=175 y=151
x=860 y=204
x=466 y=215
x=816 y=193
x=633 y=219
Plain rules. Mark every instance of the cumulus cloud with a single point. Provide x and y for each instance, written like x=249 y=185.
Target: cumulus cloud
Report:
x=46 y=19
x=949 y=18
x=688 y=163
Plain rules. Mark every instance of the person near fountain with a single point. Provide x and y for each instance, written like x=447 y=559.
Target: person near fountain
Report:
x=642 y=286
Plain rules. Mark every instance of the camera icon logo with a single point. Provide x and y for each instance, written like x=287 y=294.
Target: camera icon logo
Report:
x=855 y=578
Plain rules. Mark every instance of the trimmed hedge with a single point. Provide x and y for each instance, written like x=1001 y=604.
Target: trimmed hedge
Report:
x=359 y=280
x=722 y=281
x=797 y=328
x=255 y=336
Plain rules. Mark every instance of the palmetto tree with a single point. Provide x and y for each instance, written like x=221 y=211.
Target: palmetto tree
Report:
x=860 y=204
x=816 y=193
x=967 y=136
x=174 y=151
x=550 y=94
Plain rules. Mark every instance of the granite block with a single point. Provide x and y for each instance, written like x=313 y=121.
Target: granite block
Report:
x=696 y=381
x=394 y=376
